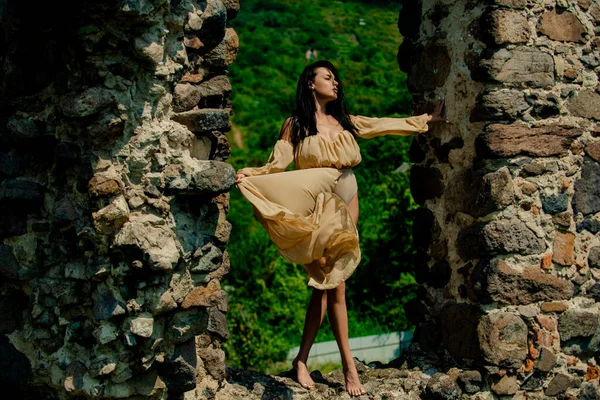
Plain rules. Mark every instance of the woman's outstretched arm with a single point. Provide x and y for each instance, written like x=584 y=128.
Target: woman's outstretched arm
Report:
x=281 y=156
x=372 y=127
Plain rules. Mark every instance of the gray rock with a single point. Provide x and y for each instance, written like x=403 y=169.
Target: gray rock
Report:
x=506 y=386
x=589 y=224
x=204 y=120
x=209 y=258
x=149 y=234
x=107 y=303
x=472 y=381
x=24 y=130
x=498 y=237
x=496 y=281
x=594 y=257
x=89 y=102
x=499 y=105
x=586 y=199
x=585 y=104
x=503 y=339
x=12 y=164
x=558 y=384
x=546 y=360
x=588 y=391
x=8 y=263
x=521 y=65
x=479 y=193
x=577 y=323
x=442 y=387
x=217 y=323
x=187 y=324
x=555 y=203
x=210 y=93
x=21 y=189
x=195 y=177
x=225 y=53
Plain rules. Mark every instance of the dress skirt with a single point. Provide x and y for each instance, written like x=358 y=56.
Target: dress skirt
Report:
x=308 y=222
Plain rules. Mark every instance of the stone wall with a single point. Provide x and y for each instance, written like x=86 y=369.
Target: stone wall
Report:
x=509 y=191
x=113 y=195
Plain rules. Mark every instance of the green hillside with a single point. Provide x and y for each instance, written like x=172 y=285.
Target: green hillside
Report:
x=268 y=295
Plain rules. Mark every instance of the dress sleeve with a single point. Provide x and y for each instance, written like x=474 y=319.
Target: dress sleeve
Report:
x=281 y=156
x=372 y=127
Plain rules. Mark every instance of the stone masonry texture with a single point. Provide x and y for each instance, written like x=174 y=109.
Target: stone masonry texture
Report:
x=113 y=195
x=511 y=208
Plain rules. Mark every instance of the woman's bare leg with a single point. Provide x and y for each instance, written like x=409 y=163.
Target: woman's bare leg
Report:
x=312 y=322
x=338 y=317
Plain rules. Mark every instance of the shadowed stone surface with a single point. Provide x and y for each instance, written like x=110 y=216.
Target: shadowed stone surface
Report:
x=498 y=237
x=503 y=339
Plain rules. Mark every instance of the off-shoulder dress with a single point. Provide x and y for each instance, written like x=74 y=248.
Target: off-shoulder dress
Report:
x=305 y=210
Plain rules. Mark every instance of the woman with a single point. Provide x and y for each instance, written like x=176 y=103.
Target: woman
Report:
x=311 y=213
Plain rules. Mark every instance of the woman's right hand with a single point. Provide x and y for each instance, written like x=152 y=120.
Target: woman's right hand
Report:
x=238 y=177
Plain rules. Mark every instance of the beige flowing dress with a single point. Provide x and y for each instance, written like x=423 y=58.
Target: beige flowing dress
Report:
x=305 y=211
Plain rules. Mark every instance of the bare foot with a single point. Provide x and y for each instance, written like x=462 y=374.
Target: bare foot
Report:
x=353 y=385
x=302 y=374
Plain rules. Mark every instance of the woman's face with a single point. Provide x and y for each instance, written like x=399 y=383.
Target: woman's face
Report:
x=325 y=85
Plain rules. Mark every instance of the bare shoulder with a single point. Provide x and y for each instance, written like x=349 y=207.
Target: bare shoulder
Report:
x=286 y=130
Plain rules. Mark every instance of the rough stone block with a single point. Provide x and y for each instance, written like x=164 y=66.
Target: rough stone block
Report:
x=21 y=189
x=546 y=360
x=442 y=386
x=560 y=383
x=196 y=177
x=12 y=164
x=563 y=248
x=148 y=233
x=592 y=149
x=187 y=324
x=112 y=217
x=510 y=140
x=586 y=197
x=107 y=303
x=89 y=102
x=555 y=203
x=577 y=323
x=217 y=323
x=520 y=66
x=107 y=183
x=478 y=193
x=214 y=362
x=210 y=295
x=142 y=325
x=585 y=104
x=204 y=120
x=594 y=257
x=499 y=105
x=472 y=381
x=495 y=281
x=518 y=4
x=459 y=330
x=498 y=237
x=430 y=69
x=503 y=339
x=209 y=93
x=226 y=52
x=505 y=27
x=506 y=386
x=563 y=26
x=425 y=183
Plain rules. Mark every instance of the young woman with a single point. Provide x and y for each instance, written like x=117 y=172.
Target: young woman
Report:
x=310 y=213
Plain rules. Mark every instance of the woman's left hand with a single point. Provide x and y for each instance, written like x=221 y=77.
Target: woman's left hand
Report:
x=438 y=113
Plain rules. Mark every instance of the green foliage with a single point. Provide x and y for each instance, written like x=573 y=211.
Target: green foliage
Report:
x=268 y=295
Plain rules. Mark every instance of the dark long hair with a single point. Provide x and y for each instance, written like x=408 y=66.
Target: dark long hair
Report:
x=304 y=123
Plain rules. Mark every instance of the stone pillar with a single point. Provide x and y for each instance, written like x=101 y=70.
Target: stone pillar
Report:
x=113 y=195
x=509 y=190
